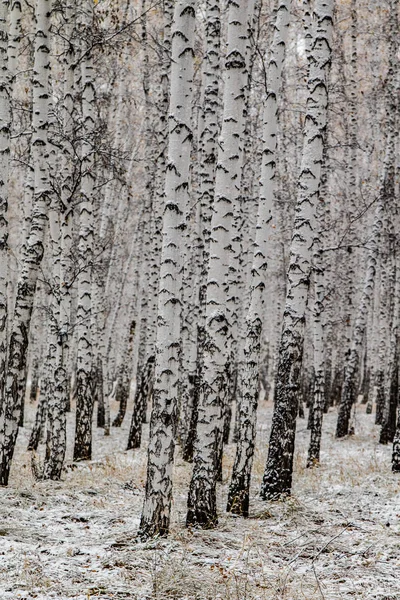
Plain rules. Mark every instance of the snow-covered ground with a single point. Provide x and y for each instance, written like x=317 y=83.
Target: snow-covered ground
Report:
x=338 y=536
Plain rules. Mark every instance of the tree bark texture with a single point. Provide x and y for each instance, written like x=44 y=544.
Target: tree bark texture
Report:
x=33 y=248
x=202 y=510
x=238 y=497
x=277 y=480
x=84 y=395
x=157 y=505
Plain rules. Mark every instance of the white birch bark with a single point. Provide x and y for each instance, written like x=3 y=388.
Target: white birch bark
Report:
x=145 y=372
x=394 y=108
x=56 y=385
x=349 y=390
x=152 y=225
x=146 y=350
x=105 y=362
x=277 y=479
x=236 y=258
x=385 y=291
x=5 y=122
x=189 y=322
x=14 y=37
x=60 y=234
x=208 y=137
x=238 y=497
x=98 y=317
x=161 y=129
x=69 y=114
x=33 y=248
x=202 y=508
x=318 y=401
x=120 y=219
x=153 y=211
x=385 y=203
x=84 y=397
x=129 y=339
x=351 y=173
x=157 y=505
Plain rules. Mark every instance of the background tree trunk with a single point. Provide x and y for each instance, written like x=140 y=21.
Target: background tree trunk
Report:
x=277 y=480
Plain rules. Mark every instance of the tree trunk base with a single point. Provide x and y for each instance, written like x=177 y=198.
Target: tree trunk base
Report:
x=239 y=499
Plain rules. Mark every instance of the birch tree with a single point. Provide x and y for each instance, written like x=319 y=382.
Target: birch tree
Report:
x=214 y=386
x=14 y=38
x=208 y=134
x=318 y=399
x=392 y=379
x=157 y=505
x=84 y=398
x=155 y=197
x=60 y=233
x=393 y=413
x=5 y=118
x=56 y=386
x=384 y=321
x=33 y=248
x=277 y=478
x=238 y=498
x=68 y=183
x=385 y=200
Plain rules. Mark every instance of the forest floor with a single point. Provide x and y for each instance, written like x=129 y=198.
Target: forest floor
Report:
x=338 y=536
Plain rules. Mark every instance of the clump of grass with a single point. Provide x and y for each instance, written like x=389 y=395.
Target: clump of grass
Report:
x=171 y=577
x=178 y=576
x=31 y=575
x=292 y=506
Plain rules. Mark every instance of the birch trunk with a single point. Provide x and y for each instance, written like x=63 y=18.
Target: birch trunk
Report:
x=351 y=174
x=39 y=425
x=157 y=505
x=202 y=508
x=277 y=479
x=396 y=415
x=124 y=383
x=146 y=374
x=208 y=135
x=384 y=320
x=318 y=390
x=97 y=333
x=349 y=391
x=84 y=396
x=33 y=248
x=238 y=497
x=14 y=38
x=148 y=324
x=236 y=269
x=5 y=122
x=69 y=114
x=388 y=428
x=56 y=386
x=60 y=237
x=190 y=318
